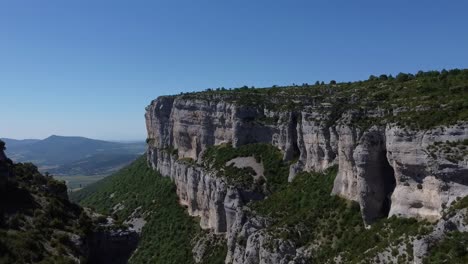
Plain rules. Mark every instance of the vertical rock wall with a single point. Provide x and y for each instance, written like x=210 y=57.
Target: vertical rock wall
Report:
x=381 y=167
x=388 y=170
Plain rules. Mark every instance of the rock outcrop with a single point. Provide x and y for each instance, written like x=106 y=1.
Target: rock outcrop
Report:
x=385 y=167
x=203 y=193
x=388 y=169
x=249 y=242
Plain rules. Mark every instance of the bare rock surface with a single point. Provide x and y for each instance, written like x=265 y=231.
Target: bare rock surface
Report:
x=136 y=220
x=244 y=162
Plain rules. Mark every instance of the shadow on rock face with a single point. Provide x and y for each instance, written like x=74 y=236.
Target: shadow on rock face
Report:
x=111 y=247
x=377 y=178
x=389 y=183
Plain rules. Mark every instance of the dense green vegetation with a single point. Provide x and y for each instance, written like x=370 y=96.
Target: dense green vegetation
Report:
x=421 y=100
x=307 y=214
x=461 y=203
x=452 y=249
x=168 y=233
x=276 y=170
x=36 y=218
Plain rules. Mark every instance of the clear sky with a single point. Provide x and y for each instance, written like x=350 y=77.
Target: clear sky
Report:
x=89 y=68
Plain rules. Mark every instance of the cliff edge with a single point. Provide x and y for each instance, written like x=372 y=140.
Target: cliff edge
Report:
x=400 y=145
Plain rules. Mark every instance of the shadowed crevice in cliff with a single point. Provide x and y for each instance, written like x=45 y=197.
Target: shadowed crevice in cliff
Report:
x=389 y=183
x=377 y=178
x=293 y=152
x=379 y=185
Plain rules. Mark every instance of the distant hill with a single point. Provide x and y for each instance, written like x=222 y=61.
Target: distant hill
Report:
x=14 y=143
x=63 y=155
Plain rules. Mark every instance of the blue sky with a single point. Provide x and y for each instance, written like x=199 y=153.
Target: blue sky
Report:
x=89 y=68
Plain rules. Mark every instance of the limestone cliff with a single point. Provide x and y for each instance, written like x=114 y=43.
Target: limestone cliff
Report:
x=388 y=169
x=387 y=166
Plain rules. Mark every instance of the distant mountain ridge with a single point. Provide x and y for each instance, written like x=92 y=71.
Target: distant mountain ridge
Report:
x=18 y=142
x=73 y=155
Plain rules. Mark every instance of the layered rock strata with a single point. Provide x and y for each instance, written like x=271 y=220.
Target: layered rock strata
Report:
x=388 y=169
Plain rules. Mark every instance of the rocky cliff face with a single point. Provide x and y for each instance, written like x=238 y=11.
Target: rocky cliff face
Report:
x=199 y=190
x=389 y=169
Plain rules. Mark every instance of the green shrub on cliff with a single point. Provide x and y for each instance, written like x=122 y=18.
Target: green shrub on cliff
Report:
x=452 y=249
x=275 y=169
